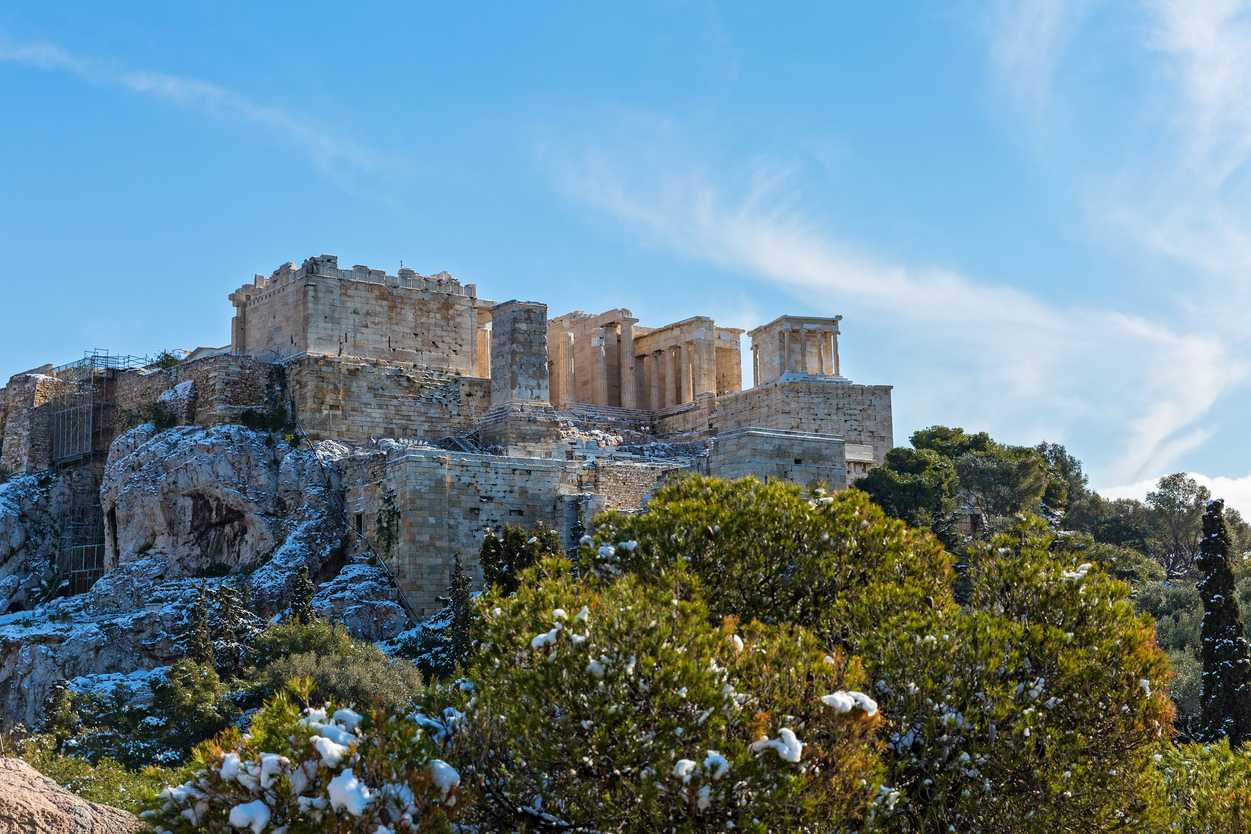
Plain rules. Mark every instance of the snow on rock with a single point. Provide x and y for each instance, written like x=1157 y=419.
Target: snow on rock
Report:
x=30 y=506
x=178 y=504
x=364 y=598
x=207 y=499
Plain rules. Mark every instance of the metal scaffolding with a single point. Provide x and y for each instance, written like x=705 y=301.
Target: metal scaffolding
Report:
x=81 y=425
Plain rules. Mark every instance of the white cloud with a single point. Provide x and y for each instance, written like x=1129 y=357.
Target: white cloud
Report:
x=1007 y=354
x=330 y=153
x=1027 y=40
x=1235 y=491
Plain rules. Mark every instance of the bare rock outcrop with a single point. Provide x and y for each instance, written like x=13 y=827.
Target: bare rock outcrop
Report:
x=363 y=598
x=31 y=803
x=31 y=507
x=182 y=506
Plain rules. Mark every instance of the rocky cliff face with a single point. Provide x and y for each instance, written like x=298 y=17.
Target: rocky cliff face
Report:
x=181 y=507
x=31 y=507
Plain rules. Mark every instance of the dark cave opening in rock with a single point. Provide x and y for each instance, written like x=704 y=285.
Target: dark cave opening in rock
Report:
x=219 y=532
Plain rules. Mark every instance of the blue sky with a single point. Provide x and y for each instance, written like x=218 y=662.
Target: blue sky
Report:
x=1032 y=215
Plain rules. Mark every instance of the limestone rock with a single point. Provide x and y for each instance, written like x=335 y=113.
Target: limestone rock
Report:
x=31 y=803
x=30 y=510
x=181 y=505
x=365 y=600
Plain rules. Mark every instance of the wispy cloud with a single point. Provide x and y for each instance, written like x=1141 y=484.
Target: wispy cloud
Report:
x=1008 y=353
x=1028 y=40
x=1181 y=191
x=332 y=154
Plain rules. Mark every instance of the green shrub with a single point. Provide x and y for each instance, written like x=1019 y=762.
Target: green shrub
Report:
x=105 y=781
x=326 y=770
x=1036 y=709
x=618 y=706
x=835 y=564
x=1208 y=788
x=342 y=669
x=509 y=551
x=363 y=677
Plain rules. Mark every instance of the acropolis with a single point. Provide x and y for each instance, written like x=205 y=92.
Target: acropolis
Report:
x=467 y=413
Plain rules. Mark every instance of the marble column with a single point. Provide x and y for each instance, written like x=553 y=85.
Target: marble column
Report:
x=625 y=361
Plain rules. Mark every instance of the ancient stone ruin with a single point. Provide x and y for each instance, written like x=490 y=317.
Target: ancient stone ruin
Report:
x=460 y=413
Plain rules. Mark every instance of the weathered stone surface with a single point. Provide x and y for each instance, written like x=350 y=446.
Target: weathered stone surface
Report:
x=212 y=500
x=279 y=508
x=31 y=509
x=31 y=803
x=364 y=599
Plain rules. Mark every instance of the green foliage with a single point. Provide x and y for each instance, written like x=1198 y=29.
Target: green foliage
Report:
x=5 y=474
x=274 y=419
x=191 y=704
x=507 y=552
x=609 y=706
x=948 y=470
x=161 y=416
x=1225 y=694
x=764 y=551
x=302 y=591
x=1177 y=505
x=462 y=614
x=1208 y=788
x=364 y=775
x=104 y=781
x=339 y=669
x=387 y=524
x=199 y=640
x=166 y=360
x=1035 y=709
x=916 y=485
x=1125 y=563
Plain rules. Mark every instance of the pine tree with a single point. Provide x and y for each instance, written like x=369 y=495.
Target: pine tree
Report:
x=233 y=630
x=387 y=525
x=200 y=639
x=1225 y=695
x=302 y=597
x=462 y=612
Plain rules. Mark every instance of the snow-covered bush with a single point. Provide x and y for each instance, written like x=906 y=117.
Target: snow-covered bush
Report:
x=618 y=706
x=1208 y=788
x=326 y=770
x=767 y=551
x=1037 y=708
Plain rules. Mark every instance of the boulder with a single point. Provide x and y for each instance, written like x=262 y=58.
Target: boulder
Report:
x=364 y=599
x=31 y=803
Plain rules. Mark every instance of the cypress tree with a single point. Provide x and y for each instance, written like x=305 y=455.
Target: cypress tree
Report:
x=461 y=612
x=302 y=597
x=1225 y=695
x=200 y=641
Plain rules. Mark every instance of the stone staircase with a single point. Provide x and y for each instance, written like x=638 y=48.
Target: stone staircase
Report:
x=634 y=419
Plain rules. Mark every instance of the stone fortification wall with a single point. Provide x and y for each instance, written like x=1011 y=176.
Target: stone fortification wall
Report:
x=446 y=503
x=222 y=388
x=859 y=414
x=354 y=400
x=624 y=485
x=365 y=313
x=806 y=459
x=27 y=444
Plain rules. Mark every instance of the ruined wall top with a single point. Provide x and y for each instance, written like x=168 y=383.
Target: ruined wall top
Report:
x=327 y=266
